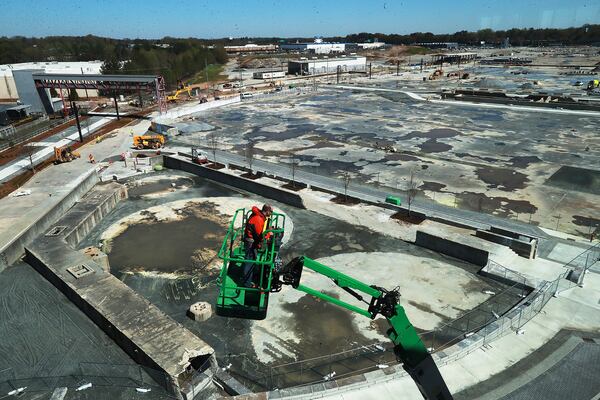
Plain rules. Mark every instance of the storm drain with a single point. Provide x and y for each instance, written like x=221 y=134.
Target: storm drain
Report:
x=57 y=230
x=79 y=271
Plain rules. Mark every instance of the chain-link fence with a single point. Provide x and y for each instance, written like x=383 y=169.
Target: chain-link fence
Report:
x=22 y=134
x=506 y=311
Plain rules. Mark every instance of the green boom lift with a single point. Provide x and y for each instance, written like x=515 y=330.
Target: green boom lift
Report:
x=235 y=300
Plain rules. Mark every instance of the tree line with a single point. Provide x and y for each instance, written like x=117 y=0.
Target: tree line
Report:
x=583 y=35
x=175 y=59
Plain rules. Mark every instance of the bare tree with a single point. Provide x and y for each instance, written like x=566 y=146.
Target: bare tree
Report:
x=213 y=142
x=250 y=155
x=28 y=150
x=412 y=189
x=293 y=167
x=347 y=178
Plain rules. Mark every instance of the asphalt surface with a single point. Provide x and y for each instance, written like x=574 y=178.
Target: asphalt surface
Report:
x=369 y=193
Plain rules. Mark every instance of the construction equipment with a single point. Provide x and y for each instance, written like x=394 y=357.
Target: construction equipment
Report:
x=236 y=300
x=436 y=74
x=181 y=88
x=64 y=154
x=593 y=84
x=148 y=141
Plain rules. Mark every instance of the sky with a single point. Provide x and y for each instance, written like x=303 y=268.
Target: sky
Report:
x=283 y=18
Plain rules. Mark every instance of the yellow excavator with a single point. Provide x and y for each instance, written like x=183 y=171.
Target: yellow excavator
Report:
x=148 y=141
x=181 y=88
x=64 y=154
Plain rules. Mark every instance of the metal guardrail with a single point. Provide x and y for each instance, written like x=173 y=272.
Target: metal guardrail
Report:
x=475 y=329
x=17 y=138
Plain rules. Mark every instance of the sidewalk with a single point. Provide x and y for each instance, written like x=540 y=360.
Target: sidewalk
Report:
x=49 y=187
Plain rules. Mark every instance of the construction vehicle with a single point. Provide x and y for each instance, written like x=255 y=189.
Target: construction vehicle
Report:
x=181 y=88
x=436 y=74
x=148 y=141
x=64 y=154
x=238 y=301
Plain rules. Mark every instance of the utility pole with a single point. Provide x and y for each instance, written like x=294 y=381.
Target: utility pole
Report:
x=86 y=92
x=370 y=75
x=206 y=73
x=397 y=67
x=339 y=71
x=116 y=105
x=76 y=112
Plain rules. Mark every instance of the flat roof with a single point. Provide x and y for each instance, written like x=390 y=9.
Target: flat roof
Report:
x=329 y=59
x=94 y=77
x=456 y=54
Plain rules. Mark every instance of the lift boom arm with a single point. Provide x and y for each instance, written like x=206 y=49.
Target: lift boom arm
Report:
x=408 y=347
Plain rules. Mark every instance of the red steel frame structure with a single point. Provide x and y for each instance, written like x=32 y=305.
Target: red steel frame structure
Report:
x=111 y=83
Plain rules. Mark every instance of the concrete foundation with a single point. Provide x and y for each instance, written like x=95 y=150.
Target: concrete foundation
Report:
x=150 y=337
x=13 y=245
x=523 y=247
x=452 y=248
x=200 y=311
x=284 y=196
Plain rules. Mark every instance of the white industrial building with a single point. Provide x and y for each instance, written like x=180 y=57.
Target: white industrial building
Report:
x=268 y=74
x=305 y=66
x=318 y=47
x=251 y=48
x=8 y=89
x=371 y=45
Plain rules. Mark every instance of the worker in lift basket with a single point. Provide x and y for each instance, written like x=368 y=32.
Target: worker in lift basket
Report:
x=253 y=238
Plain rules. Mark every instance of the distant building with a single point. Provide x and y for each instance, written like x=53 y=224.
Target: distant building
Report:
x=371 y=46
x=439 y=45
x=326 y=65
x=8 y=88
x=319 y=47
x=13 y=112
x=268 y=74
x=251 y=48
x=506 y=60
x=453 y=58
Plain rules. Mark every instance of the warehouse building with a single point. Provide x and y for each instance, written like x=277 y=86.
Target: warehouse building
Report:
x=312 y=66
x=272 y=74
x=251 y=48
x=8 y=87
x=376 y=44
x=319 y=47
x=453 y=58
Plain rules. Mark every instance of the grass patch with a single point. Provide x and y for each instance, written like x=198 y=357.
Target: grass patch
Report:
x=415 y=50
x=214 y=74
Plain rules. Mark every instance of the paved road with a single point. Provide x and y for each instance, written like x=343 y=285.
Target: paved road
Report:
x=46 y=146
x=370 y=193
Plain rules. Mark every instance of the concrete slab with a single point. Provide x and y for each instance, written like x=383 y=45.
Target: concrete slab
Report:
x=149 y=336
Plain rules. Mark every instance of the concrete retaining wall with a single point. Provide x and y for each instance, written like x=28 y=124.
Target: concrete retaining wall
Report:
x=12 y=251
x=88 y=217
x=270 y=192
x=149 y=336
x=521 y=247
x=452 y=248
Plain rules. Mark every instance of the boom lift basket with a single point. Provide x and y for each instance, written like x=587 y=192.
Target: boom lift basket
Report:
x=235 y=299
